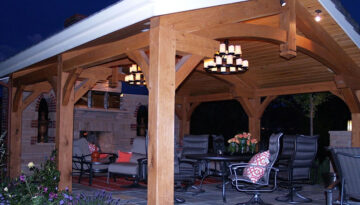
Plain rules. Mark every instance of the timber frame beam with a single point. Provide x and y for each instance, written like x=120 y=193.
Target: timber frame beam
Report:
x=288 y=23
x=92 y=75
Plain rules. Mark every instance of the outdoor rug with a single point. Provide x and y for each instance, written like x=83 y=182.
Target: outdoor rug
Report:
x=99 y=182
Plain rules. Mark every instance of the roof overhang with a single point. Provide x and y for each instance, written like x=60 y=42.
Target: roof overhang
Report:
x=118 y=16
x=341 y=20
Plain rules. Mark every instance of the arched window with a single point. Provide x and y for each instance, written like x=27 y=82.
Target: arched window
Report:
x=43 y=121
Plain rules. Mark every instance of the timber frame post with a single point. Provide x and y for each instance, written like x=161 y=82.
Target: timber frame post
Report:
x=254 y=108
x=161 y=113
x=187 y=109
x=15 y=132
x=64 y=126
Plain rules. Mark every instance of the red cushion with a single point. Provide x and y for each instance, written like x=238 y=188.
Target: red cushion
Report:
x=255 y=173
x=124 y=156
x=102 y=156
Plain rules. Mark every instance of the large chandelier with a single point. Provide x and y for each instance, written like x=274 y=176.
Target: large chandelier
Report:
x=135 y=77
x=227 y=60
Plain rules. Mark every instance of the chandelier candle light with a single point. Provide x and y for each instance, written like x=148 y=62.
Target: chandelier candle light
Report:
x=227 y=60
x=136 y=77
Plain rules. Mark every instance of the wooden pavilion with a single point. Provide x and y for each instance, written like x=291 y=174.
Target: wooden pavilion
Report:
x=289 y=53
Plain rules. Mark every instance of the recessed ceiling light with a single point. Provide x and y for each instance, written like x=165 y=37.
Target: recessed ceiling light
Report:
x=282 y=2
x=317 y=17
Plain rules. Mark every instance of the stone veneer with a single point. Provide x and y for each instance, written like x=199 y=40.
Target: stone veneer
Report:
x=340 y=138
x=118 y=126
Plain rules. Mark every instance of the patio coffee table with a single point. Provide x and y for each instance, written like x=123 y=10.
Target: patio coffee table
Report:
x=223 y=159
x=94 y=167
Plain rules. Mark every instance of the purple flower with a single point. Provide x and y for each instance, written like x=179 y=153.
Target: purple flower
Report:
x=22 y=178
x=66 y=188
x=45 y=189
x=61 y=202
x=52 y=195
x=52 y=158
x=66 y=196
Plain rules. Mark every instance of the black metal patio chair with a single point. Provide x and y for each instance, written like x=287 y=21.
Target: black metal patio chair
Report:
x=244 y=184
x=295 y=167
x=347 y=165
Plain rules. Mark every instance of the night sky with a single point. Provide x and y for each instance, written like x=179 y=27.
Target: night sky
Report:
x=24 y=23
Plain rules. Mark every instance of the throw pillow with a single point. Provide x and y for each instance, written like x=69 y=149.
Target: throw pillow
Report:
x=124 y=156
x=255 y=173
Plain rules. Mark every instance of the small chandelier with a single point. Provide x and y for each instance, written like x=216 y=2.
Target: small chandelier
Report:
x=227 y=60
x=136 y=77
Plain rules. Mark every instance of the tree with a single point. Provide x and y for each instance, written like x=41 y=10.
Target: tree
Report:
x=309 y=103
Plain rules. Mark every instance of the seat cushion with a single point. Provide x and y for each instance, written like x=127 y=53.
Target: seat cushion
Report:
x=129 y=168
x=255 y=173
x=135 y=156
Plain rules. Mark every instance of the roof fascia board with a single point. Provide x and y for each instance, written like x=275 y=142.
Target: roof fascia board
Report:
x=341 y=21
x=118 y=16
x=162 y=7
x=113 y=18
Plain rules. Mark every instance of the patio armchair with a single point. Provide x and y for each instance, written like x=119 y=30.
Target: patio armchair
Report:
x=136 y=167
x=295 y=167
x=82 y=163
x=263 y=184
x=347 y=165
x=194 y=144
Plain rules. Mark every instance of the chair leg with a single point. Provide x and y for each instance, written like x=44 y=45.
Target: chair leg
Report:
x=254 y=200
x=135 y=184
x=293 y=197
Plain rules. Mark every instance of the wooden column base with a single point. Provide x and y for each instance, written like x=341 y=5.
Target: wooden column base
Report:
x=355 y=134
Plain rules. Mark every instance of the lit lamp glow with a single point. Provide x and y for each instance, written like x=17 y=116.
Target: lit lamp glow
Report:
x=227 y=60
x=135 y=77
x=349 y=125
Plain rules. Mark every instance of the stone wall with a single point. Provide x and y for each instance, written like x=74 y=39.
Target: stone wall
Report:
x=30 y=149
x=117 y=126
x=340 y=138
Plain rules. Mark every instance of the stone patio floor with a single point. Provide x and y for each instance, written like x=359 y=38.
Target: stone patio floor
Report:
x=212 y=195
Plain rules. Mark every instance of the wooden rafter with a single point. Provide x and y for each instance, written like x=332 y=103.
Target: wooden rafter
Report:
x=108 y=51
x=245 y=30
x=69 y=85
x=198 y=45
x=37 y=76
x=186 y=66
x=288 y=23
